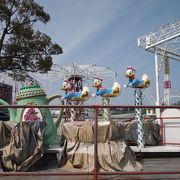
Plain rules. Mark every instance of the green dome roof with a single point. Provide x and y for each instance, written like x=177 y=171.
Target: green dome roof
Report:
x=30 y=91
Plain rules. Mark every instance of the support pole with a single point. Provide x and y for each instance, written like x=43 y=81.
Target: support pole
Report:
x=72 y=114
x=157 y=88
x=167 y=82
x=139 y=119
x=106 y=111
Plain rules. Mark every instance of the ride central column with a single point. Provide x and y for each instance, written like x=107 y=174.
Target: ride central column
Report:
x=139 y=118
x=106 y=111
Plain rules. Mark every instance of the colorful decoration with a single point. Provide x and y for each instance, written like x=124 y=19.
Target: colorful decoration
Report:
x=136 y=83
x=72 y=95
x=33 y=94
x=106 y=92
x=31 y=115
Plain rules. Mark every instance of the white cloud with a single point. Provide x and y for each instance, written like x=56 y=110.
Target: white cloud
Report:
x=105 y=31
x=73 y=22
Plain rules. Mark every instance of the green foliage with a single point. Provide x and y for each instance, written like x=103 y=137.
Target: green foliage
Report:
x=22 y=49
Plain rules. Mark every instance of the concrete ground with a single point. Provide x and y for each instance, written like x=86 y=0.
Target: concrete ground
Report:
x=47 y=169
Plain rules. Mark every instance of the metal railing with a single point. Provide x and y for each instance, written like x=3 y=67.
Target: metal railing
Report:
x=95 y=172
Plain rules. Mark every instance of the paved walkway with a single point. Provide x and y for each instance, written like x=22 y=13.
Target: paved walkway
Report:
x=49 y=166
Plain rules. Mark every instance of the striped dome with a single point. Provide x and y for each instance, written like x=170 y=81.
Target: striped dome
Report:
x=30 y=91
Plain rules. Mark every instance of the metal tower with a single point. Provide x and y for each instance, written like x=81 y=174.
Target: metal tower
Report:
x=77 y=73
x=165 y=44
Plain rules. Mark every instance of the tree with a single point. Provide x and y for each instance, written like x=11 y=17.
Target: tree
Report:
x=22 y=49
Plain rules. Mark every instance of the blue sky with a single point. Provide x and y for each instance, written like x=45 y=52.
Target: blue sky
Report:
x=105 y=32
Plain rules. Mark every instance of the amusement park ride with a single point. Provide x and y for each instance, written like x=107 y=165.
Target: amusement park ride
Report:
x=138 y=85
x=74 y=77
x=164 y=43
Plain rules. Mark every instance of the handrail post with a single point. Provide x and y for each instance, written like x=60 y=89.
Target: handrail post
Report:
x=162 y=130
x=96 y=144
